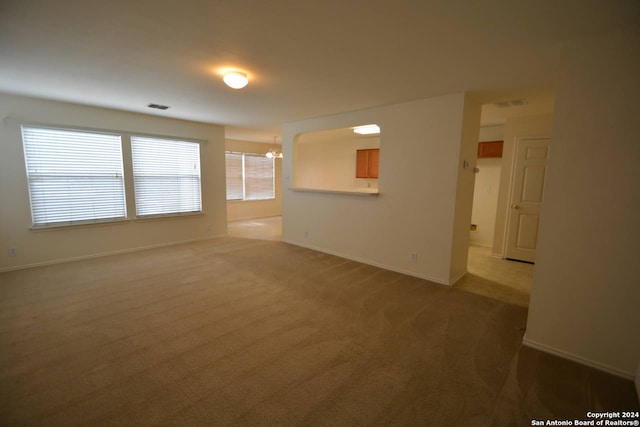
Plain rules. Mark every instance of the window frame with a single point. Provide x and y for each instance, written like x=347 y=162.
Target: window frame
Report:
x=126 y=177
x=31 y=162
x=137 y=199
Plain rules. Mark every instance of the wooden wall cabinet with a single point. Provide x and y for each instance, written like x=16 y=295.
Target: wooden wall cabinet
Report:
x=489 y=149
x=367 y=163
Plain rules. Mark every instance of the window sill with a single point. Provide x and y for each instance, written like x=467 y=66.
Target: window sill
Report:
x=167 y=216
x=252 y=200
x=66 y=226
x=358 y=192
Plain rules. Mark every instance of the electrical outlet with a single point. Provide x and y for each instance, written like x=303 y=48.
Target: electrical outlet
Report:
x=413 y=257
x=13 y=251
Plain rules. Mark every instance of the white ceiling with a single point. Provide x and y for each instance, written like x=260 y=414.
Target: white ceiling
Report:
x=304 y=58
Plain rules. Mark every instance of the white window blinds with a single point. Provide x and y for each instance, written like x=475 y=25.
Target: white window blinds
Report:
x=249 y=177
x=258 y=177
x=235 y=186
x=74 y=176
x=166 y=176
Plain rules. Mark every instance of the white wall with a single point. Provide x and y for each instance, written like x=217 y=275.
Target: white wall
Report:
x=485 y=201
x=238 y=210
x=470 y=127
x=43 y=246
x=420 y=149
x=515 y=128
x=586 y=284
x=485 y=193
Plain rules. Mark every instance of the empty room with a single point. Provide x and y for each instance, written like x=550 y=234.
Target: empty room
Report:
x=271 y=213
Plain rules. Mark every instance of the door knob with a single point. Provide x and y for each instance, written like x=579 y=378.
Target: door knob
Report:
x=515 y=206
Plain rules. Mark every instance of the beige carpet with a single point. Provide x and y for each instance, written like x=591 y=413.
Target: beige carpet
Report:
x=248 y=332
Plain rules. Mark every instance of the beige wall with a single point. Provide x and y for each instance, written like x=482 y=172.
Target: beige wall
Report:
x=420 y=151
x=331 y=164
x=485 y=201
x=586 y=284
x=515 y=128
x=470 y=127
x=238 y=210
x=485 y=192
x=43 y=246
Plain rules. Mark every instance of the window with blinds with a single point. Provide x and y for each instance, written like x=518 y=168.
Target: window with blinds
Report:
x=235 y=181
x=74 y=176
x=249 y=177
x=166 y=176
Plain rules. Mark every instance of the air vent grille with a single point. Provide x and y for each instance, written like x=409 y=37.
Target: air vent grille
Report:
x=158 y=106
x=511 y=103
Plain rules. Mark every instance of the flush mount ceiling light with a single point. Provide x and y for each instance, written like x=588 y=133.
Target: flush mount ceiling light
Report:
x=367 y=129
x=235 y=79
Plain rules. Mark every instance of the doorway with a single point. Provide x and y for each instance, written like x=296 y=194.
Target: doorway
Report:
x=489 y=272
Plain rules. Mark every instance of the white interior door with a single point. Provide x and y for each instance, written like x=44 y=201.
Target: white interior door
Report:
x=526 y=198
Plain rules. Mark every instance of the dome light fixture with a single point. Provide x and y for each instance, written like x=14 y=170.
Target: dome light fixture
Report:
x=235 y=79
x=367 y=129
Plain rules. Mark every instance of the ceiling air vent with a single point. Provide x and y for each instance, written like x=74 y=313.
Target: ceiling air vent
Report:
x=511 y=103
x=158 y=106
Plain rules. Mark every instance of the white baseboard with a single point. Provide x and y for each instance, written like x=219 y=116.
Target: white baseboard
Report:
x=481 y=243
x=102 y=254
x=458 y=277
x=583 y=361
x=369 y=262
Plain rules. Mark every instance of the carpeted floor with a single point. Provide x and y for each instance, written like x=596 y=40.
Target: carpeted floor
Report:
x=242 y=332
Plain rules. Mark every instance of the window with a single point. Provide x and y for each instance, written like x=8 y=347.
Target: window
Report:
x=249 y=177
x=235 y=182
x=166 y=176
x=74 y=176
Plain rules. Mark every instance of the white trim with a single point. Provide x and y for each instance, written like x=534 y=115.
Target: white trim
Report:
x=581 y=360
x=102 y=254
x=481 y=243
x=372 y=263
x=358 y=192
x=459 y=276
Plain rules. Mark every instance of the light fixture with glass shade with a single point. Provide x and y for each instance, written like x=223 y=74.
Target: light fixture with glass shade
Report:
x=274 y=153
x=367 y=129
x=235 y=79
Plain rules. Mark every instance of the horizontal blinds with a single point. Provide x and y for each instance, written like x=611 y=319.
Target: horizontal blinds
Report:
x=166 y=176
x=74 y=176
x=233 y=163
x=258 y=177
